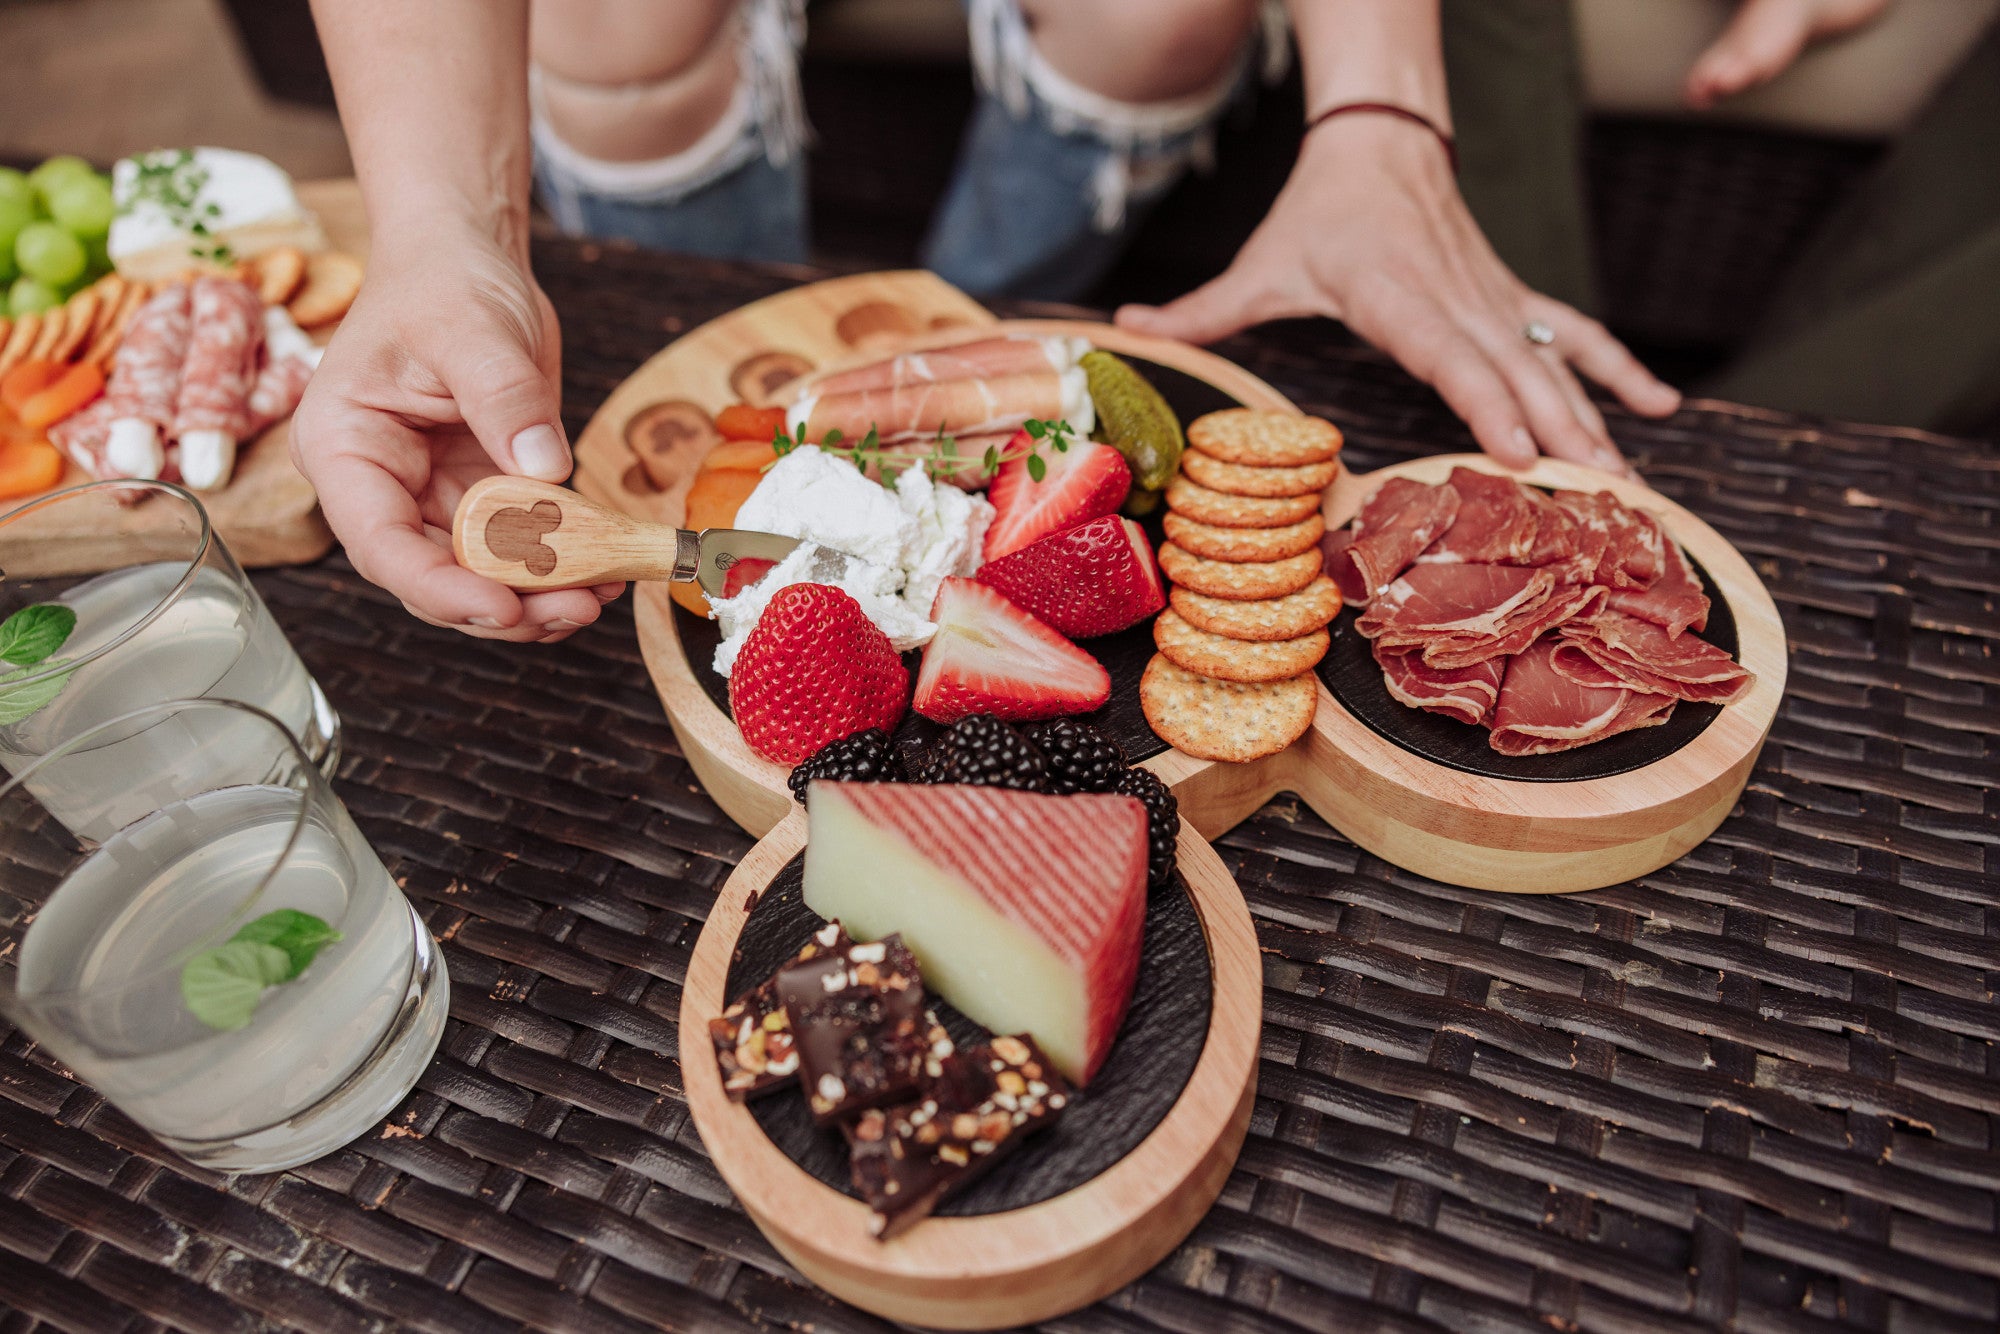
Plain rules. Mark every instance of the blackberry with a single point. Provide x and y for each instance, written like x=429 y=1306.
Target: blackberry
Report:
x=926 y=764
x=985 y=752
x=1163 y=821
x=865 y=757
x=1080 y=757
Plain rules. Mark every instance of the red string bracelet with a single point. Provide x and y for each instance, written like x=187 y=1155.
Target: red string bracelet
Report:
x=1449 y=144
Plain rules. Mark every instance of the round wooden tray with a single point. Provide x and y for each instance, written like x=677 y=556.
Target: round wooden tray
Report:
x=641 y=450
x=998 y=1269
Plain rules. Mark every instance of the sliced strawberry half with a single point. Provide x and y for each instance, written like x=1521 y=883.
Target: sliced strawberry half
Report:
x=1079 y=484
x=1088 y=580
x=989 y=656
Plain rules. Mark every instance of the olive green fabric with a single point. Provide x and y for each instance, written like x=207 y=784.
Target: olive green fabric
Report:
x=1517 y=108
x=1892 y=313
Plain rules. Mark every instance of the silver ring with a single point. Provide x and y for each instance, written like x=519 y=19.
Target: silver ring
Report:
x=1541 y=335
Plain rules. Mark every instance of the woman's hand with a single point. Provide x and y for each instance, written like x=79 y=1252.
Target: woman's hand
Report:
x=1370 y=230
x=445 y=371
x=1765 y=37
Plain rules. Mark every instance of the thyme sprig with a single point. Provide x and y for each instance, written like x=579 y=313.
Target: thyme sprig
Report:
x=869 y=455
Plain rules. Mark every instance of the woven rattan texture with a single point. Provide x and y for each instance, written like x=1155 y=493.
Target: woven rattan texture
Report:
x=1756 y=1091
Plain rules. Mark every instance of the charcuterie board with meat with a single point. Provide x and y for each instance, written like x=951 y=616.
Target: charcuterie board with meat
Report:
x=1632 y=747
x=192 y=350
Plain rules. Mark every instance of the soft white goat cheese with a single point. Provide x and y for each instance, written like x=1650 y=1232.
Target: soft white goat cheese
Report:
x=902 y=543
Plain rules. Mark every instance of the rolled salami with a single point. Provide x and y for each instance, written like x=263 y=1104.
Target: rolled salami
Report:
x=213 y=406
x=145 y=384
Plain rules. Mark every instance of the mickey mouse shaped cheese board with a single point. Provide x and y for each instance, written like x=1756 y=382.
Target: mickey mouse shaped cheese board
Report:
x=975 y=1041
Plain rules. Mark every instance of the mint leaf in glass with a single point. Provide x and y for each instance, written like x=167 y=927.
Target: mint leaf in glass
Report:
x=299 y=934
x=221 y=986
x=18 y=701
x=33 y=633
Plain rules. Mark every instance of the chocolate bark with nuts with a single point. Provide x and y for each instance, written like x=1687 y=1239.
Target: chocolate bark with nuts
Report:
x=863 y=1034
x=753 y=1037
x=910 y=1158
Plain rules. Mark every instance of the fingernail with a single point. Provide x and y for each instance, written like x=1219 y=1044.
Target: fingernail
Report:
x=561 y=626
x=539 y=452
x=1527 y=444
x=1610 y=459
x=483 y=622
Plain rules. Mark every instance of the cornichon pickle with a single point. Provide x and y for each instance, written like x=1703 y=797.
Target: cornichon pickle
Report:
x=1133 y=417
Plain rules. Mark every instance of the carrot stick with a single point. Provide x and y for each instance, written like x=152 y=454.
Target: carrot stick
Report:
x=740 y=421
x=28 y=467
x=28 y=379
x=78 y=385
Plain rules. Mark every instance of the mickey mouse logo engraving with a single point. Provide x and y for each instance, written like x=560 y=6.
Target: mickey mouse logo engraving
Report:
x=516 y=534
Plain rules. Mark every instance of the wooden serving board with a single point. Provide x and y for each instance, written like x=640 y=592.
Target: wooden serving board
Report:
x=267 y=515
x=1018 y=1265
x=641 y=450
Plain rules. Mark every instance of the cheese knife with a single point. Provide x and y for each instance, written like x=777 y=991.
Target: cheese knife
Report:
x=530 y=535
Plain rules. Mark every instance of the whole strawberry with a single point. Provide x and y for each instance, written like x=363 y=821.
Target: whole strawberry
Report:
x=814 y=669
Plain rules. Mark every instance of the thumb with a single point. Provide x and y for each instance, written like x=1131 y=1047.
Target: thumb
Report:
x=1762 y=39
x=1214 y=310
x=513 y=407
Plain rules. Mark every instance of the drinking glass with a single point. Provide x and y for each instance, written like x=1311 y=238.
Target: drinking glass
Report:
x=176 y=619
x=234 y=968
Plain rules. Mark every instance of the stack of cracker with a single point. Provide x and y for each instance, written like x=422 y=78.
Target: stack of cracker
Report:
x=1248 y=614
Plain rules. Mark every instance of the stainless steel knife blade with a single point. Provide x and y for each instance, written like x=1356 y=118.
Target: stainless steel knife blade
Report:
x=725 y=561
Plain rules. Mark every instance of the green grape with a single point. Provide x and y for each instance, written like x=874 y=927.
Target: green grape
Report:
x=97 y=248
x=14 y=185
x=14 y=215
x=8 y=272
x=83 y=205
x=56 y=171
x=46 y=251
x=27 y=295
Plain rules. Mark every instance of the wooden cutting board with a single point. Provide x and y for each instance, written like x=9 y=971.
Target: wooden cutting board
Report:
x=1014 y=1265
x=1485 y=831
x=268 y=514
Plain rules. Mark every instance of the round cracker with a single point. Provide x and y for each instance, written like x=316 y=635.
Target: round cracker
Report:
x=1242 y=479
x=27 y=328
x=1264 y=439
x=1311 y=608
x=1225 y=720
x=1223 y=510
x=1224 y=659
x=1243 y=581
x=1244 y=544
x=333 y=278
x=279 y=274
x=55 y=323
x=82 y=318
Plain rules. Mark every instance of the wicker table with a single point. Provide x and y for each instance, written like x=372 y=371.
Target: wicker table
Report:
x=1759 y=1090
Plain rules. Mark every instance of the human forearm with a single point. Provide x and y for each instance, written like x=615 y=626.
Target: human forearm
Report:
x=1372 y=51
x=435 y=104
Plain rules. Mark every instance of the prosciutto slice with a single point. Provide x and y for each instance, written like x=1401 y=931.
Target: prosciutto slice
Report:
x=1496 y=522
x=1464 y=693
x=1517 y=633
x=1398 y=522
x=1631 y=555
x=1674 y=601
x=1465 y=599
x=1540 y=711
x=922 y=410
x=982 y=359
x=1645 y=657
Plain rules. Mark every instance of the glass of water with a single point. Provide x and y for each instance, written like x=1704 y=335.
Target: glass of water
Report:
x=177 y=619
x=234 y=968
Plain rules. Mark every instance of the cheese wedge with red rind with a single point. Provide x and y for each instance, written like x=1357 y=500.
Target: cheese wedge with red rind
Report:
x=1024 y=910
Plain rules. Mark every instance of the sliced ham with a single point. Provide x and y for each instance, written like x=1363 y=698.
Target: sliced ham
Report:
x=1333 y=557
x=1466 y=693
x=1674 y=601
x=920 y=411
x=1471 y=599
x=983 y=359
x=1646 y=657
x=1540 y=711
x=1518 y=632
x=1399 y=521
x=1496 y=522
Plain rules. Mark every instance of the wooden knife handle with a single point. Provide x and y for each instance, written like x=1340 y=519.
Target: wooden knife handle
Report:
x=530 y=535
